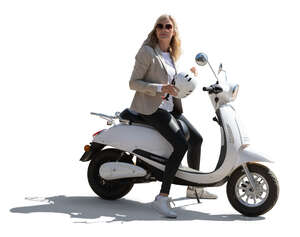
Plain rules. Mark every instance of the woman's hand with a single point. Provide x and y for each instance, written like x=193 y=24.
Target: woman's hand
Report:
x=170 y=89
x=194 y=70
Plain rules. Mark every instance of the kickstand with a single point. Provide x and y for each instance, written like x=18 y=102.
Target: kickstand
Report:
x=198 y=200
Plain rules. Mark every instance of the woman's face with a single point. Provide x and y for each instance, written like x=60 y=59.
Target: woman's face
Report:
x=165 y=30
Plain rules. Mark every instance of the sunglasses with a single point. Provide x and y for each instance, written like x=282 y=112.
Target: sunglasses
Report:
x=166 y=26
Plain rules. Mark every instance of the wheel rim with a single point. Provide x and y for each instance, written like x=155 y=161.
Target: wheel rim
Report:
x=249 y=197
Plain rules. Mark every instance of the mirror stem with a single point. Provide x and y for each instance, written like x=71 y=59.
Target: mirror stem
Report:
x=213 y=72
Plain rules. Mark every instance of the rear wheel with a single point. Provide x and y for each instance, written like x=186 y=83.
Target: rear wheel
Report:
x=105 y=189
x=249 y=201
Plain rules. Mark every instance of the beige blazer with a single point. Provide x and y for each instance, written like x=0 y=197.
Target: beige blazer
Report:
x=149 y=71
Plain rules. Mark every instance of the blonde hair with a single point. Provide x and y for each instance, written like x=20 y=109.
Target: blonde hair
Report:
x=175 y=43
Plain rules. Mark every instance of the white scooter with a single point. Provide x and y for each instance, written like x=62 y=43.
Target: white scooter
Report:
x=138 y=154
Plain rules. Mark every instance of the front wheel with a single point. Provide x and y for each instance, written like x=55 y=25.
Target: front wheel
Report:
x=105 y=189
x=248 y=201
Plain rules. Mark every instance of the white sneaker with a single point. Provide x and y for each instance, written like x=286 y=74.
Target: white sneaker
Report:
x=202 y=194
x=162 y=205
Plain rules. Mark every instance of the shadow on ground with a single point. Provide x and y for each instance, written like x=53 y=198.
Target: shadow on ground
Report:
x=93 y=209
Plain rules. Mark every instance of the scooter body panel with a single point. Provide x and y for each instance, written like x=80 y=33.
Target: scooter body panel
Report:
x=233 y=144
x=131 y=137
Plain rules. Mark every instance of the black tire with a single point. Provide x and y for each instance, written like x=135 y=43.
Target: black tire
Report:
x=108 y=190
x=270 y=199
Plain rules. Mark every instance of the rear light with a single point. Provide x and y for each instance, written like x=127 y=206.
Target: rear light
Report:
x=87 y=148
x=95 y=134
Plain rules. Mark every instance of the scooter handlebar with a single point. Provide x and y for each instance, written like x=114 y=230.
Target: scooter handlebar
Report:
x=216 y=89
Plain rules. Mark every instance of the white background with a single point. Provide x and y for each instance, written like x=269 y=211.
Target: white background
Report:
x=60 y=60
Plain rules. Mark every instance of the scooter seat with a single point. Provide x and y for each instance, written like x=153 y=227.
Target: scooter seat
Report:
x=134 y=117
x=131 y=116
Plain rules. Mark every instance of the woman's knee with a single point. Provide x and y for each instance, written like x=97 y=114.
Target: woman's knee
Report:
x=199 y=139
x=196 y=139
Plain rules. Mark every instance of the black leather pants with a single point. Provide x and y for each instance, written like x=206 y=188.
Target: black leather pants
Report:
x=165 y=123
x=194 y=143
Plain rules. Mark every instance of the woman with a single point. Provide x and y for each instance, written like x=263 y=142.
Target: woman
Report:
x=153 y=72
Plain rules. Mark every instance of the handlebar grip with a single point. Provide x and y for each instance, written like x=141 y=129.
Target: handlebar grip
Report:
x=205 y=88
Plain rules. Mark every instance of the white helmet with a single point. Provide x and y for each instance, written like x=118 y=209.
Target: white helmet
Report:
x=186 y=83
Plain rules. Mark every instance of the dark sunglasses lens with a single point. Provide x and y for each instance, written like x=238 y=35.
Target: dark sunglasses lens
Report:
x=168 y=26
x=160 y=26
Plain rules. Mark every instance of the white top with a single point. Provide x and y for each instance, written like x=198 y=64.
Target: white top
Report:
x=167 y=104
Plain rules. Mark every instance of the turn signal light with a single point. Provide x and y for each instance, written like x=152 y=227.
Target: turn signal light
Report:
x=87 y=148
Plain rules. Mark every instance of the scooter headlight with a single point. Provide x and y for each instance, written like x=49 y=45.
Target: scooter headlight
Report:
x=229 y=93
x=235 y=90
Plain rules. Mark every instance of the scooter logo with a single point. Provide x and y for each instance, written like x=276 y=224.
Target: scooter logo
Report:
x=231 y=139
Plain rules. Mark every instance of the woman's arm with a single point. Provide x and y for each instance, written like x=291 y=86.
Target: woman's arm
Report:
x=143 y=60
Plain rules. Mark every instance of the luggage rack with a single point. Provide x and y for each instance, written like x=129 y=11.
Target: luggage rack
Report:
x=111 y=119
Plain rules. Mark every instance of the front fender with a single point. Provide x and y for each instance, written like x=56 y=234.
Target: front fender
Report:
x=250 y=156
